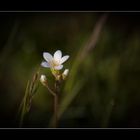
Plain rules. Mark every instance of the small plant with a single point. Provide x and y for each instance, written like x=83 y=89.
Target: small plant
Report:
x=55 y=64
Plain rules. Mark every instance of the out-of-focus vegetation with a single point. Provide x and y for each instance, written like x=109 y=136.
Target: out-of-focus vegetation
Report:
x=102 y=89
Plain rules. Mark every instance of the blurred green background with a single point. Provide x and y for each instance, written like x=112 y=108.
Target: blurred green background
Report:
x=103 y=88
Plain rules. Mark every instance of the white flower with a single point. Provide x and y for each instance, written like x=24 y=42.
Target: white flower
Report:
x=65 y=73
x=54 y=62
x=43 y=79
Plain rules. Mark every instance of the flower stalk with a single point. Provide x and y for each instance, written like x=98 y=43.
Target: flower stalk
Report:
x=55 y=64
x=55 y=116
x=55 y=94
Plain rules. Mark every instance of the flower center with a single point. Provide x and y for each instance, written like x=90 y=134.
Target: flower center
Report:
x=55 y=63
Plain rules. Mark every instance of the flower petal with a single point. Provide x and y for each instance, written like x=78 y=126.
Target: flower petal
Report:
x=64 y=58
x=58 y=67
x=45 y=64
x=57 y=55
x=47 y=56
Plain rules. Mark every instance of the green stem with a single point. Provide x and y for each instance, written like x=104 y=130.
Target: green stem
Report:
x=49 y=89
x=55 y=115
x=55 y=120
x=22 y=114
x=23 y=105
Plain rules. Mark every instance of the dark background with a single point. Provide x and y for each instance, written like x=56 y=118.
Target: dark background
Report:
x=109 y=94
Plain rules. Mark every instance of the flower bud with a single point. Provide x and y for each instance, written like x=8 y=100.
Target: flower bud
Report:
x=43 y=80
x=65 y=73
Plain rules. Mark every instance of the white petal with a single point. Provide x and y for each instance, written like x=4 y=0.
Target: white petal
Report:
x=57 y=55
x=47 y=56
x=58 y=67
x=64 y=58
x=45 y=64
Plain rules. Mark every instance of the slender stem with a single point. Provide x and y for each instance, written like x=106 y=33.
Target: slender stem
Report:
x=22 y=115
x=50 y=90
x=55 y=94
x=23 y=105
x=55 y=111
x=55 y=116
